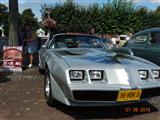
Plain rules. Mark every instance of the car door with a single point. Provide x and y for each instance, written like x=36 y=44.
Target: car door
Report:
x=152 y=51
x=43 y=51
x=137 y=44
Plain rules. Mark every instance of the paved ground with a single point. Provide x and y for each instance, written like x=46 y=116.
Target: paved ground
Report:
x=21 y=98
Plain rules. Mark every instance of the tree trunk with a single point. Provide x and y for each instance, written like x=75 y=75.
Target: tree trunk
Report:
x=13 y=21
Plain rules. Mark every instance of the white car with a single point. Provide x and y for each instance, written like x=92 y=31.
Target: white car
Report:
x=79 y=71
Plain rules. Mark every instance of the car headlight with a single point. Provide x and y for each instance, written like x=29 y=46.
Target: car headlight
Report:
x=156 y=74
x=76 y=74
x=143 y=74
x=96 y=74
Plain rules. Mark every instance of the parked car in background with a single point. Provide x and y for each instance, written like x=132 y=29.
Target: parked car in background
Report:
x=80 y=71
x=146 y=44
x=123 y=39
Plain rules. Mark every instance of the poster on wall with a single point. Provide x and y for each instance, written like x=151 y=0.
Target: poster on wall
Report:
x=12 y=58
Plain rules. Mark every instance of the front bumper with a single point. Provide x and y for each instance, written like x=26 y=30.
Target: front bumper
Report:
x=111 y=95
x=107 y=98
x=100 y=103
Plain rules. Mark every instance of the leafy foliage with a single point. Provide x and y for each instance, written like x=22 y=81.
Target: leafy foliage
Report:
x=4 y=18
x=118 y=16
x=28 y=17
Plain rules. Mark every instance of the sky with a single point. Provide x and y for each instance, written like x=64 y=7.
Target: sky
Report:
x=35 y=5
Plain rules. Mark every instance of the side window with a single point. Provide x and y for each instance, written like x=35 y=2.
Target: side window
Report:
x=154 y=38
x=58 y=42
x=141 y=39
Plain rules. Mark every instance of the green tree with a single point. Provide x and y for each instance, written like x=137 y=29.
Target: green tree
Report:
x=116 y=16
x=4 y=18
x=119 y=16
x=3 y=13
x=28 y=17
x=94 y=18
x=13 y=22
x=155 y=18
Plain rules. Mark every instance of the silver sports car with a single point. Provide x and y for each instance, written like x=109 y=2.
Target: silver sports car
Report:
x=79 y=71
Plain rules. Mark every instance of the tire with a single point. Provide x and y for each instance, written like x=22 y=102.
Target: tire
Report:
x=41 y=71
x=48 y=90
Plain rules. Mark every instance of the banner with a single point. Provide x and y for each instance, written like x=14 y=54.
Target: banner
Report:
x=12 y=58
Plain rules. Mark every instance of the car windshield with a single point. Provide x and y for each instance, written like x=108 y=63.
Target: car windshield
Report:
x=107 y=40
x=77 y=41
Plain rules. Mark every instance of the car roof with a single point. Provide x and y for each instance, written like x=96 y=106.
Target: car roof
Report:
x=147 y=31
x=123 y=35
x=75 y=34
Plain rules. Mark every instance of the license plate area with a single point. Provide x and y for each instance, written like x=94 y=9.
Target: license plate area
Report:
x=129 y=95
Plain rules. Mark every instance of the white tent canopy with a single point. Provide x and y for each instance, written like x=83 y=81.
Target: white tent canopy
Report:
x=41 y=33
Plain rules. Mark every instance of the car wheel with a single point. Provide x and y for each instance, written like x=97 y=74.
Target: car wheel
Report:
x=48 y=90
x=42 y=71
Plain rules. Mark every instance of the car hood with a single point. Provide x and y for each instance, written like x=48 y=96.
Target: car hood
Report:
x=97 y=58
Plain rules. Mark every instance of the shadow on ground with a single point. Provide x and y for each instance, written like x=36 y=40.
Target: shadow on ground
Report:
x=107 y=112
x=4 y=78
x=3 y=75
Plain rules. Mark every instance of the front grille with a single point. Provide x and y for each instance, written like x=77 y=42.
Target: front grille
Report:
x=95 y=95
x=111 y=95
x=150 y=92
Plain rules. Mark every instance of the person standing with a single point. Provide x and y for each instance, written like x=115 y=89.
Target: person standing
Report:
x=29 y=43
x=92 y=31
